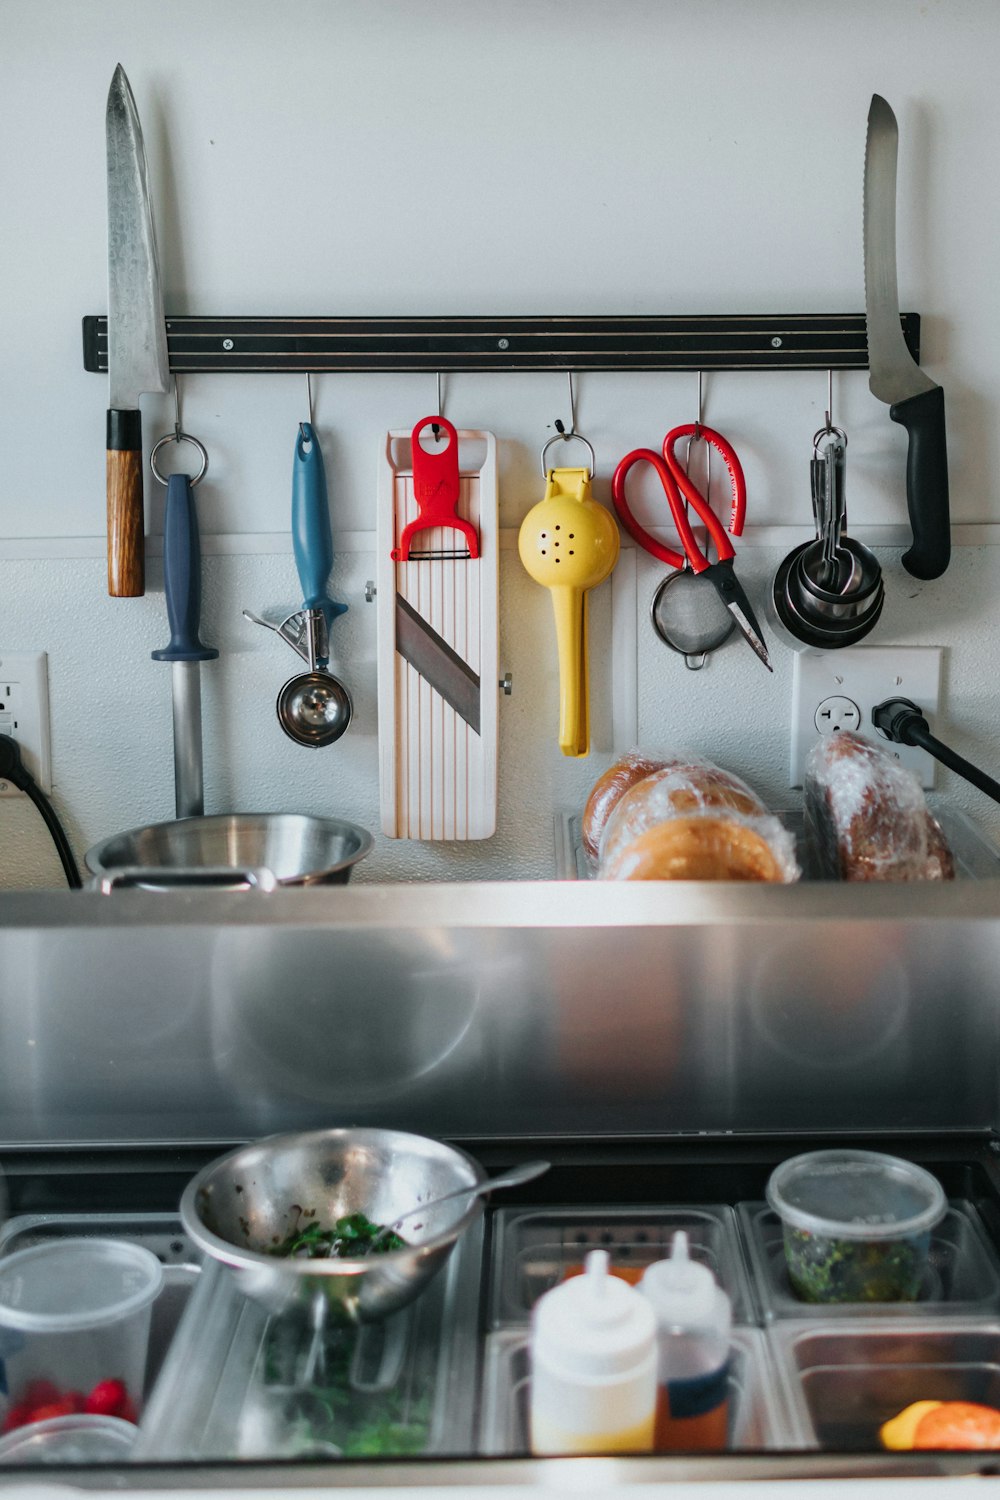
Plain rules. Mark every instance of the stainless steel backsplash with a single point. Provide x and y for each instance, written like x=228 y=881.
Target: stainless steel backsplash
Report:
x=499 y=1010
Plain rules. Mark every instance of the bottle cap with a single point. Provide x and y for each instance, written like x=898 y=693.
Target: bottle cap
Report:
x=683 y=1293
x=594 y=1324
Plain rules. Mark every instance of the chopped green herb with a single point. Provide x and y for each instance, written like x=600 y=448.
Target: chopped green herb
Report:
x=823 y=1268
x=350 y=1236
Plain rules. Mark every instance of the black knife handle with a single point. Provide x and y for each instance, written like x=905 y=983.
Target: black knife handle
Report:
x=126 y=542
x=926 y=482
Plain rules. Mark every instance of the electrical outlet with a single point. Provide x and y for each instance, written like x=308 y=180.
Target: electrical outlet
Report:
x=838 y=690
x=24 y=714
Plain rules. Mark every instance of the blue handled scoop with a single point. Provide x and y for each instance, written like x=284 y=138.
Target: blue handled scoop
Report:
x=315 y=707
x=312 y=539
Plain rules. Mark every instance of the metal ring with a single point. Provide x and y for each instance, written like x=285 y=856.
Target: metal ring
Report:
x=823 y=432
x=568 y=437
x=180 y=437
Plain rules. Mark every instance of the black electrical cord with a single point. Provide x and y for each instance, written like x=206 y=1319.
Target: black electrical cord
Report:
x=12 y=768
x=902 y=722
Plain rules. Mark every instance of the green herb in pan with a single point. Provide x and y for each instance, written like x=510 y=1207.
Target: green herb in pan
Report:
x=823 y=1268
x=351 y=1236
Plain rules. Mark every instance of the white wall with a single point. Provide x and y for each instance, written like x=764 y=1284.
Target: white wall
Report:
x=324 y=156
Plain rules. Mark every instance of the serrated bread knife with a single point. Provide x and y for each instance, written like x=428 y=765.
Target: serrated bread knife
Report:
x=894 y=376
x=137 y=336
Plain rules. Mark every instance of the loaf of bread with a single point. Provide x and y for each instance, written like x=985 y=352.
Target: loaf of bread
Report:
x=691 y=820
x=867 y=815
x=607 y=792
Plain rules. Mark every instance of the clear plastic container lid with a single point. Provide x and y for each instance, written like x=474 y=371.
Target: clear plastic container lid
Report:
x=82 y=1439
x=78 y=1283
x=862 y=1195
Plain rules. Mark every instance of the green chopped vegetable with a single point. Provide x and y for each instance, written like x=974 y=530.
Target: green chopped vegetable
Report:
x=823 y=1268
x=351 y=1236
x=334 y=1412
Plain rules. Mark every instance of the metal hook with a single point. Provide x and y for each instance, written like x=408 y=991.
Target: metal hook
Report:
x=696 y=437
x=828 y=430
x=309 y=398
x=435 y=426
x=558 y=424
x=177 y=411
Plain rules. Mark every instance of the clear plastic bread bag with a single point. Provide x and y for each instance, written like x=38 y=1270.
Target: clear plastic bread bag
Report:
x=692 y=820
x=867 y=817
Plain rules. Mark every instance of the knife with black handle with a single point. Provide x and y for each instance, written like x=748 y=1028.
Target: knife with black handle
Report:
x=894 y=376
x=137 y=336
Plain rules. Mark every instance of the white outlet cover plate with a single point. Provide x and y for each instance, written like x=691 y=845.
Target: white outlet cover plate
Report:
x=24 y=714
x=867 y=675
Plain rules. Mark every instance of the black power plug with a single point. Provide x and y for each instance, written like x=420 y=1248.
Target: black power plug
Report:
x=902 y=722
x=13 y=769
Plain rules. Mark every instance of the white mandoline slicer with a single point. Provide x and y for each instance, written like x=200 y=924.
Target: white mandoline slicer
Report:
x=438 y=652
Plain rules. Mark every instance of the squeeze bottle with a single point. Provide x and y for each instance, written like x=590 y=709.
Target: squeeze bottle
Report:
x=593 y=1365
x=693 y=1320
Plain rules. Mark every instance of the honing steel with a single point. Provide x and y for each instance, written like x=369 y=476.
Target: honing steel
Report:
x=137 y=336
x=894 y=375
x=185 y=652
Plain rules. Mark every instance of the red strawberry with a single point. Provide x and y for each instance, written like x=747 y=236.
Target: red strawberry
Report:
x=66 y=1407
x=40 y=1393
x=108 y=1399
x=16 y=1416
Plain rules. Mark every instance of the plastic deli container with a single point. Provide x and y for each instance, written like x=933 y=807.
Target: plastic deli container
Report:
x=856 y=1225
x=79 y=1439
x=74 y=1329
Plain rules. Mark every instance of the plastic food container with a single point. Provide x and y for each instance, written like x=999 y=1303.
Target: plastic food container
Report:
x=856 y=1225
x=74 y=1329
x=80 y=1439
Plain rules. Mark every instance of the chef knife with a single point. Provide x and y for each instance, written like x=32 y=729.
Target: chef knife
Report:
x=894 y=376
x=137 y=336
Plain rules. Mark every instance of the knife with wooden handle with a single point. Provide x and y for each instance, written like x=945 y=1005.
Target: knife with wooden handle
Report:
x=137 y=336
x=894 y=375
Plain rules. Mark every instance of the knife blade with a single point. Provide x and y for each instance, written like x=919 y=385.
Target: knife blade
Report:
x=137 y=335
x=914 y=400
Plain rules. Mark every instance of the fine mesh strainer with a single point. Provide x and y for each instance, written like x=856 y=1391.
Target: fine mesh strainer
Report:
x=689 y=616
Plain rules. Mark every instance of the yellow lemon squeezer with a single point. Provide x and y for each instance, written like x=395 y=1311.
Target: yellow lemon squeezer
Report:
x=569 y=544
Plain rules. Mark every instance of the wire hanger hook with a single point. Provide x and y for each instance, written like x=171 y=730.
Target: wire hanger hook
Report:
x=439 y=408
x=558 y=424
x=309 y=401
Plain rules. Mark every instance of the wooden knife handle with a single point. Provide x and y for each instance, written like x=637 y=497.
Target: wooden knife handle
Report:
x=126 y=540
x=926 y=482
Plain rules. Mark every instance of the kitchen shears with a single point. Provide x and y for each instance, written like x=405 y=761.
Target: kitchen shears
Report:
x=680 y=488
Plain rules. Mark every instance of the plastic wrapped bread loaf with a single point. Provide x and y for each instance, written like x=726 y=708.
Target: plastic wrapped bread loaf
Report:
x=607 y=792
x=868 y=815
x=691 y=820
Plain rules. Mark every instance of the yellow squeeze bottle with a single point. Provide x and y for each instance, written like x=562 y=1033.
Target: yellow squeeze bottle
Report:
x=593 y=1366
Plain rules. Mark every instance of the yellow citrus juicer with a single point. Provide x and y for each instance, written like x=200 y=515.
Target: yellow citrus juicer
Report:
x=569 y=544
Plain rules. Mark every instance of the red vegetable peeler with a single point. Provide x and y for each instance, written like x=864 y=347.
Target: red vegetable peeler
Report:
x=436 y=491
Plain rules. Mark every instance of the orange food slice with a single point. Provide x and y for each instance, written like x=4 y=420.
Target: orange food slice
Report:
x=959 y=1424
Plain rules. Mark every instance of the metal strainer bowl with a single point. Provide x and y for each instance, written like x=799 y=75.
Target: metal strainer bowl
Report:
x=689 y=616
x=242 y=1205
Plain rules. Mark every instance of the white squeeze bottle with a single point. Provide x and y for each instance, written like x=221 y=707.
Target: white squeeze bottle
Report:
x=593 y=1365
x=693 y=1318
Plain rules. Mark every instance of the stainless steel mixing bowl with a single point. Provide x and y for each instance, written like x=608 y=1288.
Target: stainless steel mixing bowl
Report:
x=243 y=1204
x=298 y=849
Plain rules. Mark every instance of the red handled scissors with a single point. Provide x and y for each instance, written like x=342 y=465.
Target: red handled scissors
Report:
x=679 y=488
